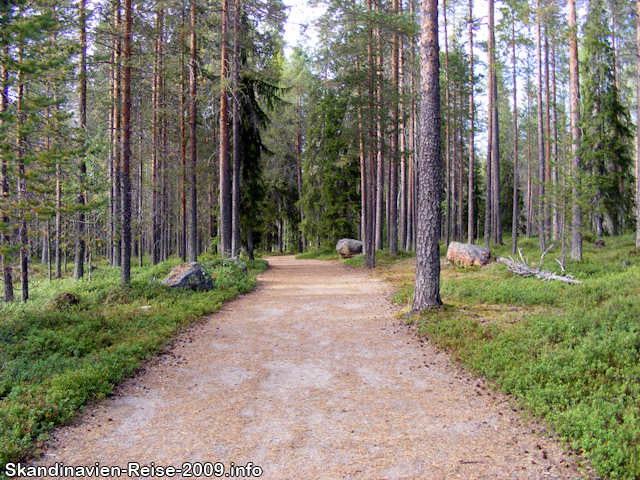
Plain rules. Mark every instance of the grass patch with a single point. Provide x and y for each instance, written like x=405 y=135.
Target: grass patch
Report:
x=57 y=357
x=322 y=253
x=570 y=354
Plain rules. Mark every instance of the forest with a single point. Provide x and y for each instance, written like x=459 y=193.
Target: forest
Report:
x=170 y=129
x=135 y=135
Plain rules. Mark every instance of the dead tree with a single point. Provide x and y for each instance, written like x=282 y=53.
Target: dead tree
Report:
x=524 y=270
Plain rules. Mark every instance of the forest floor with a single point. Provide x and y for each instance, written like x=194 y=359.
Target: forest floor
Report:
x=311 y=376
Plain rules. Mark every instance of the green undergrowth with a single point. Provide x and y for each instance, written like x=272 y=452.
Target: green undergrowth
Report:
x=323 y=253
x=383 y=257
x=56 y=356
x=570 y=354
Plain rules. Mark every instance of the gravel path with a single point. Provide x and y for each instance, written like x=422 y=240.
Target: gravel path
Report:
x=310 y=377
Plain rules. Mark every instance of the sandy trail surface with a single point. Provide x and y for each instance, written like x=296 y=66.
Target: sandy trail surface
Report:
x=310 y=377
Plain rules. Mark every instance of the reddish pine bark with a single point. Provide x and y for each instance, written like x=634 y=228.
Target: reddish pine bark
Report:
x=427 y=285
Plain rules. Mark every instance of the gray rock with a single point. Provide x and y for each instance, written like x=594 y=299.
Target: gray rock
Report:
x=466 y=254
x=240 y=263
x=348 y=247
x=188 y=275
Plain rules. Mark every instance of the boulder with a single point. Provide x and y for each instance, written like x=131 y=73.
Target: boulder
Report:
x=240 y=263
x=466 y=254
x=188 y=275
x=348 y=247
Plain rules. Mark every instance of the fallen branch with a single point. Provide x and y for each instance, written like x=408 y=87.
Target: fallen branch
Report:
x=524 y=270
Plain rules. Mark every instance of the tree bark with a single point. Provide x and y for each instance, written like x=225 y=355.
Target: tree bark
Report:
x=638 y=132
x=529 y=170
x=183 y=147
x=555 y=215
x=514 y=220
x=547 y=137
x=488 y=210
x=447 y=129
x=495 y=166
x=117 y=140
x=393 y=160
x=541 y=161
x=78 y=264
x=225 y=157
x=574 y=85
x=235 y=210
x=402 y=226
x=193 y=158
x=4 y=185
x=379 y=142
x=125 y=269
x=427 y=284
x=156 y=135
x=301 y=239
x=461 y=173
x=471 y=197
x=496 y=214
x=369 y=238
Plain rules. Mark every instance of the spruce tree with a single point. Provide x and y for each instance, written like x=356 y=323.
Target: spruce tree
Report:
x=607 y=139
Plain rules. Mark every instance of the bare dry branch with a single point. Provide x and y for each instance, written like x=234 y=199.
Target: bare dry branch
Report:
x=524 y=270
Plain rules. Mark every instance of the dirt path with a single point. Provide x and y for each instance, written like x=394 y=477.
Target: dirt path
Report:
x=311 y=377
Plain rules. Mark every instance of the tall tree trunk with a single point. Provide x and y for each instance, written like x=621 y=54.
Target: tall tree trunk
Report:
x=5 y=239
x=21 y=142
x=112 y=137
x=471 y=197
x=156 y=135
x=489 y=210
x=453 y=171
x=495 y=165
x=461 y=174
x=638 y=132
x=193 y=192
x=78 y=264
x=225 y=157
x=547 y=137
x=370 y=245
x=514 y=220
x=411 y=181
x=379 y=75
x=402 y=227
x=140 y=216
x=235 y=83
x=496 y=214
x=393 y=160
x=58 y=222
x=555 y=217
x=183 y=147
x=541 y=162
x=117 y=140
x=427 y=286
x=574 y=85
x=301 y=239
x=529 y=170
x=125 y=269
x=447 y=137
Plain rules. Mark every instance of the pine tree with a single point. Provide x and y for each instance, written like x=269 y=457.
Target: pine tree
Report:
x=427 y=287
x=576 y=161
x=638 y=127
